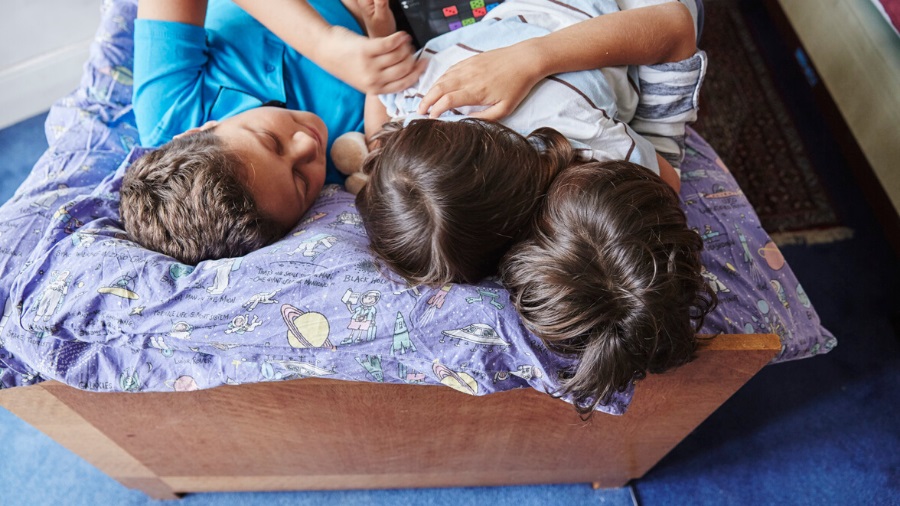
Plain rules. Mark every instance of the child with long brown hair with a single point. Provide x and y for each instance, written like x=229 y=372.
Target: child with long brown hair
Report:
x=610 y=274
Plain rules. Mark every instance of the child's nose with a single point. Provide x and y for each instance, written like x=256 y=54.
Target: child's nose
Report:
x=304 y=145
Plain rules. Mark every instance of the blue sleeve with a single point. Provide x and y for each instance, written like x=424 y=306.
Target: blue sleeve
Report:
x=170 y=62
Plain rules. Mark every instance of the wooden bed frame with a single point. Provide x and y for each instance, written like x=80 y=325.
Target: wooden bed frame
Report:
x=324 y=434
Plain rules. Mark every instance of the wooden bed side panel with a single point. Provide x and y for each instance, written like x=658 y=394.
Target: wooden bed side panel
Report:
x=41 y=409
x=326 y=434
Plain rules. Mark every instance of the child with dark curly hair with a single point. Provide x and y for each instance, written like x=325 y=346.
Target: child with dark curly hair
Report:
x=610 y=275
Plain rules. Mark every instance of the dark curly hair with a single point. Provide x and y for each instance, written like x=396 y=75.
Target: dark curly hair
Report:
x=446 y=199
x=610 y=276
x=187 y=200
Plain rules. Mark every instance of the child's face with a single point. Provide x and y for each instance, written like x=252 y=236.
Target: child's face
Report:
x=284 y=152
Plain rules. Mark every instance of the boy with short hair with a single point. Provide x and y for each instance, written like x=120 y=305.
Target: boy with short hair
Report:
x=266 y=109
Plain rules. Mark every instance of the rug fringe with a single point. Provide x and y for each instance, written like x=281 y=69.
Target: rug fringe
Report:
x=808 y=237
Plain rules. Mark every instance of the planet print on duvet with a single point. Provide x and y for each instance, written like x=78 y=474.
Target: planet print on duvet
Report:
x=306 y=329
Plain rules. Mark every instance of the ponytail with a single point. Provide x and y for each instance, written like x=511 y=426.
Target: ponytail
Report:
x=554 y=152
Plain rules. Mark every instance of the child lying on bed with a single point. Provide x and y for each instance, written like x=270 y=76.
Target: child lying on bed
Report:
x=608 y=270
x=238 y=176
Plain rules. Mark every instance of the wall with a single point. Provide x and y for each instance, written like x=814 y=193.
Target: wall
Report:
x=857 y=54
x=43 y=45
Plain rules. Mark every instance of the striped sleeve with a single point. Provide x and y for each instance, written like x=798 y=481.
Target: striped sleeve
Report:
x=668 y=102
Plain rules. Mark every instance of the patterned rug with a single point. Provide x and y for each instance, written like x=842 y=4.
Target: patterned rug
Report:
x=743 y=117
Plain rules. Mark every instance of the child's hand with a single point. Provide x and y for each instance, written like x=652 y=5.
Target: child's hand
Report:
x=379 y=65
x=378 y=18
x=497 y=79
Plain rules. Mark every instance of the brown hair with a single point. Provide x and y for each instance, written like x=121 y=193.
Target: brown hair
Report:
x=187 y=200
x=445 y=200
x=610 y=276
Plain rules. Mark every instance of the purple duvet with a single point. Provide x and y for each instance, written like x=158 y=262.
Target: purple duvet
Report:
x=85 y=306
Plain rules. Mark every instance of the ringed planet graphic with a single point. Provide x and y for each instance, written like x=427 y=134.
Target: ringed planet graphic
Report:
x=306 y=330
x=456 y=380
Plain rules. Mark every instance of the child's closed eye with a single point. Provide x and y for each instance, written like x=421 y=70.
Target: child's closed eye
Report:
x=276 y=146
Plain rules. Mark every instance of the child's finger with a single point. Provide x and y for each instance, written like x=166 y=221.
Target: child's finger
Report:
x=401 y=76
x=381 y=8
x=400 y=55
x=412 y=77
x=390 y=43
x=437 y=91
x=427 y=101
x=408 y=80
x=450 y=101
x=495 y=112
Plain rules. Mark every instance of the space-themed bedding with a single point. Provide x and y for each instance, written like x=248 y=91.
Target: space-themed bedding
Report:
x=85 y=306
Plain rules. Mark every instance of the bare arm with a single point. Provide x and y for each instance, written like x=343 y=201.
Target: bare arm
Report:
x=375 y=116
x=644 y=36
x=498 y=79
x=379 y=21
x=668 y=173
x=189 y=12
x=372 y=65
x=294 y=21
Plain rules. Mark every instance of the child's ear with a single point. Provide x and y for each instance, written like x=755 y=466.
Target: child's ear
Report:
x=206 y=126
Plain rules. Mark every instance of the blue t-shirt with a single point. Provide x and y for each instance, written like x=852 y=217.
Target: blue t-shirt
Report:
x=185 y=75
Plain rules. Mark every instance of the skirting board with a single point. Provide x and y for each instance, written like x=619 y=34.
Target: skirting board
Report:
x=31 y=87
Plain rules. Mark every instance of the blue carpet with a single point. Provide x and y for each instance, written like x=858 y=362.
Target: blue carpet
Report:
x=21 y=145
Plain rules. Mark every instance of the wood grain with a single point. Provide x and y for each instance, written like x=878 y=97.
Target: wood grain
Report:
x=326 y=434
